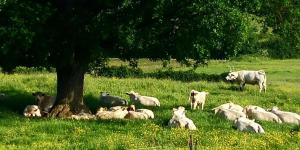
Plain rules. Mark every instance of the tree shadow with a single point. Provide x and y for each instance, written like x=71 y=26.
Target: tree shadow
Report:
x=92 y=102
x=15 y=100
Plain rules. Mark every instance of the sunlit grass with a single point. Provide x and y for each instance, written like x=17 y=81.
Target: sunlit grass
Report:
x=17 y=132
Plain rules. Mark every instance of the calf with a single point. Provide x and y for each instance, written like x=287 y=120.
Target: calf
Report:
x=102 y=113
x=137 y=99
x=197 y=98
x=108 y=100
x=45 y=102
x=230 y=106
x=244 y=124
x=32 y=111
x=285 y=116
x=148 y=112
x=180 y=120
x=230 y=114
x=250 y=77
x=258 y=113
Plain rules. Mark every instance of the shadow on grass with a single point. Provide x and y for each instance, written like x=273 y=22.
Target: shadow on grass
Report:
x=92 y=102
x=15 y=101
x=185 y=76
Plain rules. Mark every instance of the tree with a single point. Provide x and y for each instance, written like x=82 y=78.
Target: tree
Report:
x=69 y=34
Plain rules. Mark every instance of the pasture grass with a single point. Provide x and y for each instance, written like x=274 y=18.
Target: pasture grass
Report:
x=283 y=83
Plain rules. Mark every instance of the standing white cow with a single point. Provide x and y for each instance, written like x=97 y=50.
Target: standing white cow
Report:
x=197 y=98
x=251 y=77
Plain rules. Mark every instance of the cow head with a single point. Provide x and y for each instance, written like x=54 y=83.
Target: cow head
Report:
x=133 y=95
x=131 y=108
x=179 y=113
x=232 y=76
x=39 y=96
x=192 y=96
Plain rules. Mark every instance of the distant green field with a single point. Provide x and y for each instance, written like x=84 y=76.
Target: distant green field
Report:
x=283 y=90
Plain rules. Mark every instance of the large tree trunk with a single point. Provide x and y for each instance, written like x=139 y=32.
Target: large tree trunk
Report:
x=69 y=99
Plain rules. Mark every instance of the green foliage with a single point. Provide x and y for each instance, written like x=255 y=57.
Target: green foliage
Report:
x=29 y=70
x=120 y=72
x=41 y=32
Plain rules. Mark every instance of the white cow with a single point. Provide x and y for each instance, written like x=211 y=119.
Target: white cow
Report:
x=179 y=119
x=32 y=111
x=45 y=102
x=139 y=113
x=258 y=113
x=137 y=99
x=102 y=113
x=244 y=124
x=230 y=106
x=251 y=77
x=108 y=100
x=286 y=117
x=230 y=114
x=197 y=98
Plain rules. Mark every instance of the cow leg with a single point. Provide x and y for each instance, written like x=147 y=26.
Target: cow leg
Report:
x=191 y=106
x=260 y=86
x=202 y=106
x=242 y=85
x=265 y=87
x=195 y=106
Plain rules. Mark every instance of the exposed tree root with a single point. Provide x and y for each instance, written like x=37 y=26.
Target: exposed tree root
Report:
x=64 y=110
x=61 y=111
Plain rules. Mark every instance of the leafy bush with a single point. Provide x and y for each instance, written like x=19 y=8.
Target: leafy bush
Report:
x=121 y=71
x=28 y=70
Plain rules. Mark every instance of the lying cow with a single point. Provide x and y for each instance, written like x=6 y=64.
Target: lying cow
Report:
x=250 y=77
x=44 y=101
x=32 y=111
x=103 y=113
x=197 y=98
x=148 y=112
x=108 y=100
x=138 y=99
x=230 y=106
x=179 y=119
x=244 y=124
x=285 y=116
x=230 y=114
x=258 y=113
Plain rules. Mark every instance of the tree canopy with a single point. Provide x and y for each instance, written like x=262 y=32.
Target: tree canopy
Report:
x=39 y=32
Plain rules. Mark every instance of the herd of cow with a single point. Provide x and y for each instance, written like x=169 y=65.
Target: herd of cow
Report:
x=243 y=117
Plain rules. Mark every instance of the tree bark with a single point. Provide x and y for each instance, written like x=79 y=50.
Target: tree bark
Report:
x=69 y=99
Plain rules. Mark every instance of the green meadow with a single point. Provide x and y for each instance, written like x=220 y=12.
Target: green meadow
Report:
x=171 y=86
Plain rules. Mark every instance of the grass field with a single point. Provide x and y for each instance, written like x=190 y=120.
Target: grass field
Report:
x=283 y=83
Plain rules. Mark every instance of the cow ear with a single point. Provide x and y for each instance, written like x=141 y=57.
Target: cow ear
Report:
x=174 y=109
